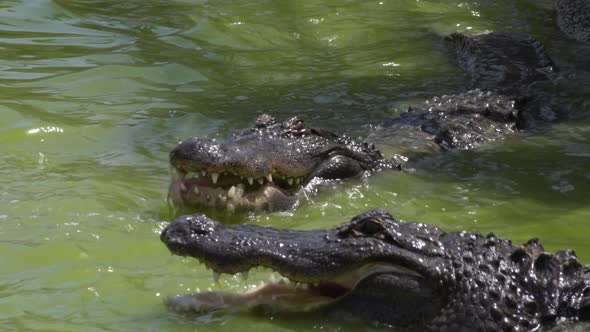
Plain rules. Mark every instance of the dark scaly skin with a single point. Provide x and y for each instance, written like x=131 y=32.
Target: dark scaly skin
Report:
x=267 y=165
x=573 y=18
x=426 y=279
x=295 y=155
x=503 y=62
x=514 y=65
x=454 y=122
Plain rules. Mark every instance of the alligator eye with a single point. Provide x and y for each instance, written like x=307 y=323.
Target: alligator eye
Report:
x=369 y=227
x=364 y=228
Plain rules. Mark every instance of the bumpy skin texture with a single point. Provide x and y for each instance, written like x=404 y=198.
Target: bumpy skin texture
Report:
x=463 y=122
x=290 y=148
x=573 y=18
x=503 y=62
x=295 y=153
x=266 y=165
x=459 y=281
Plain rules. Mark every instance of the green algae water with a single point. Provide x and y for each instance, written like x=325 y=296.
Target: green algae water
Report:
x=94 y=94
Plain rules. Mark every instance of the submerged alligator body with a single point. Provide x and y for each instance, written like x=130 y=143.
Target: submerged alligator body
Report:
x=379 y=269
x=450 y=122
x=266 y=167
x=573 y=18
x=501 y=61
x=516 y=65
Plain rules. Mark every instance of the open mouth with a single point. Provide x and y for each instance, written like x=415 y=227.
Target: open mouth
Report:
x=232 y=191
x=288 y=295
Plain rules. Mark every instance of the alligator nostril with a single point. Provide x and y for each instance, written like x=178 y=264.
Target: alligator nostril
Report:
x=201 y=231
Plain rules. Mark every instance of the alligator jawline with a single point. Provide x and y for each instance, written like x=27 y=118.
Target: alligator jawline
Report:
x=285 y=295
x=230 y=190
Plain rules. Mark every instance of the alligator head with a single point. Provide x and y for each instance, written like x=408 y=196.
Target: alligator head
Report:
x=379 y=269
x=264 y=167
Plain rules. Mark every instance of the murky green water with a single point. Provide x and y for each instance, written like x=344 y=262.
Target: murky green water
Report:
x=94 y=94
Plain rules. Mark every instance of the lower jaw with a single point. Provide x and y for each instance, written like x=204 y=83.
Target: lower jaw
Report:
x=268 y=198
x=270 y=297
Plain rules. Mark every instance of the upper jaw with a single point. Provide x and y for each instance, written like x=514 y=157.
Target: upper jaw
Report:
x=303 y=256
x=232 y=192
x=222 y=177
x=257 y=158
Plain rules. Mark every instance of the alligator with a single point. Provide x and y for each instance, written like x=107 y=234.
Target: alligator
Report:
x=573 y=18
x=512 y=64
x=268 y=166
x=378 y=269
x=500 y=61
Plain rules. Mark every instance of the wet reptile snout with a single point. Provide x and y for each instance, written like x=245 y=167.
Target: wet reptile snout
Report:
x=180 y=232
x=190 y=149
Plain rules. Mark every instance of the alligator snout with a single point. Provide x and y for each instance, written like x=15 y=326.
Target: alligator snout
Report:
x=179 y=234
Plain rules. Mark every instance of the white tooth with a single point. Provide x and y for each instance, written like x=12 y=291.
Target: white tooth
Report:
x=222 y=197
x=250 y=180
x=216 y=276
x=269 y=177
x=235 y=193
x=214 y=177
x=183 y=187
x=261 y=180
x=239 y=190
x=297 y=180
x=290 y=181
x=245 y=275
x=231 y=193
x=196 y=190
x=203 y=173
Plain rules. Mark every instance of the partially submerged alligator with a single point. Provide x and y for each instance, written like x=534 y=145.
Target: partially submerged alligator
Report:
x=383 y=270
x=266 y=167
x=503 y=62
